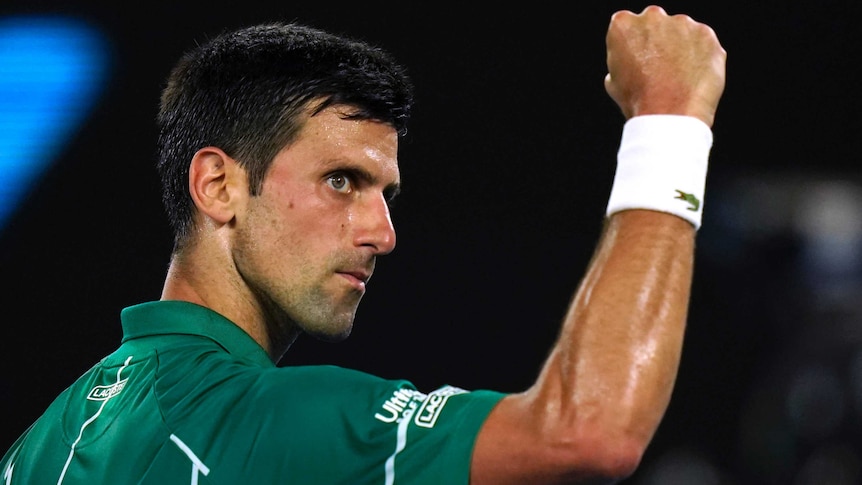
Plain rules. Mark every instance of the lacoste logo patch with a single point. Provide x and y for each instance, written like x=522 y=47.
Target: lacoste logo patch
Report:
x=433 y=405
x=690 y=198
x=103 y=393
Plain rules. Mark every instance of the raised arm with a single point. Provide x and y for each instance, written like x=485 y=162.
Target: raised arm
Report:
x=608 y=379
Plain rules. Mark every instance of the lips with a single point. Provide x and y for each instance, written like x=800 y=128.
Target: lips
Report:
x=359 y=275
x=357 y=278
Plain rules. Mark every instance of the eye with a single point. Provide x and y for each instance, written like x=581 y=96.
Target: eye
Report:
x=340 y=182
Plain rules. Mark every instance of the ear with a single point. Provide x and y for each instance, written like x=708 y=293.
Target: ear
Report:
x=216 y=184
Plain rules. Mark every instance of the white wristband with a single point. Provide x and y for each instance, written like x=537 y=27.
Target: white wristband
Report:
x=661 y=165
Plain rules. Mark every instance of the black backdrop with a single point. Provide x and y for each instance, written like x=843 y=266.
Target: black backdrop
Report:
x=506 y=170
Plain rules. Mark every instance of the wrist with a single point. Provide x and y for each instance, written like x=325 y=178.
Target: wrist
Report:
x=661 y=165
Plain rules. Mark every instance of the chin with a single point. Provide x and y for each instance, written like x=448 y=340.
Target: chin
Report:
x=331 y=334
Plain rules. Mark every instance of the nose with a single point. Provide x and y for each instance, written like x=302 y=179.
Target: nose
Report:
x=373 y=227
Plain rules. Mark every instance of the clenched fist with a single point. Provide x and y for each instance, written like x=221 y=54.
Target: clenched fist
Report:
x=664 y=64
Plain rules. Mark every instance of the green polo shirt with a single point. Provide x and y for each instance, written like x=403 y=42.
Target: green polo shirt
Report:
x=189 y=398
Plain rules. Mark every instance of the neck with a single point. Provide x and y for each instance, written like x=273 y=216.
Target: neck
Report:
x=190 y=278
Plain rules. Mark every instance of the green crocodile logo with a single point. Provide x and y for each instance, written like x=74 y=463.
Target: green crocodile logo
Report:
x=690 y=198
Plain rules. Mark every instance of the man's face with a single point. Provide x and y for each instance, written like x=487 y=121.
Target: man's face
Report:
x=308 y=242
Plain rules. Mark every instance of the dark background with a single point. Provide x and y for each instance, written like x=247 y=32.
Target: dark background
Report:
x=506 y=169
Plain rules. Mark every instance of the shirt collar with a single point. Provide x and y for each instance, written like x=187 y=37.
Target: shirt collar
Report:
x=184 y=318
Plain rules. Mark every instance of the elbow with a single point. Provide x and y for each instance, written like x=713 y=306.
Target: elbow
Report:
x=605 y=457
x=617 y=460
x=519 y=445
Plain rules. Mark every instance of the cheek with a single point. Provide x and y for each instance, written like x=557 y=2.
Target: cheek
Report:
x=262 y=231
x=268 y=252
x=287 y=229
x=295 y=221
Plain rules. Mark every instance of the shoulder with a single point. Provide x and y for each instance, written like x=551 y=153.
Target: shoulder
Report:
x=328 y=384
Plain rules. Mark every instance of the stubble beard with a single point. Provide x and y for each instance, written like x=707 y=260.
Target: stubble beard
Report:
x=328 y=320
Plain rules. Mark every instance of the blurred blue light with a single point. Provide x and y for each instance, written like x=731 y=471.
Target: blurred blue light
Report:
x=51 y=72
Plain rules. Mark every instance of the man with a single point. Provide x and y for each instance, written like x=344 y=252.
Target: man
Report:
x=278 y=156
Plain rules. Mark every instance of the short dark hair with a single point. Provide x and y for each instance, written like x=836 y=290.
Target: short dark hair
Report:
x=244 y=91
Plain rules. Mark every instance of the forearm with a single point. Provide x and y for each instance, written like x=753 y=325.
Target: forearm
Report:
x=608 y=379
x=613 y=368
